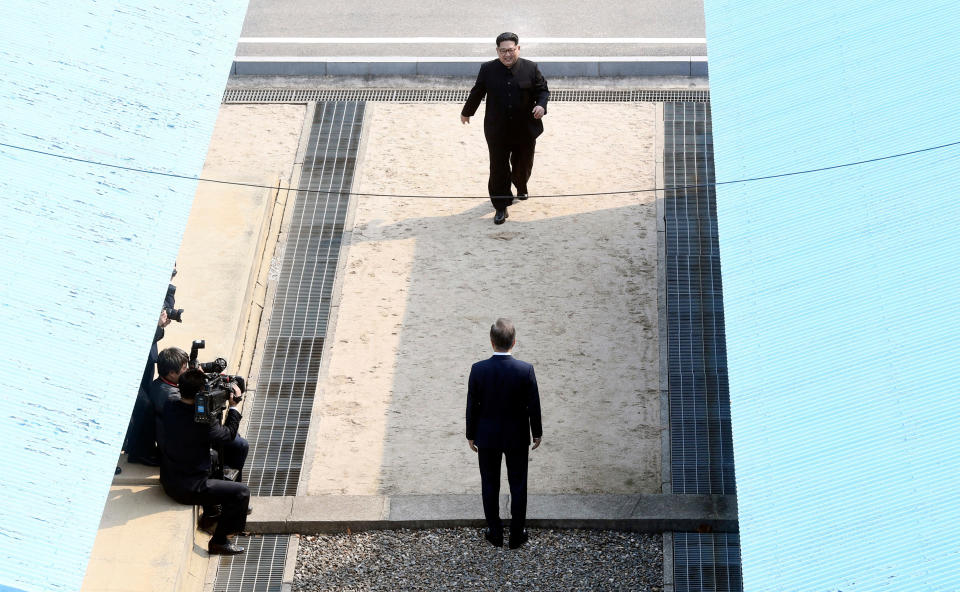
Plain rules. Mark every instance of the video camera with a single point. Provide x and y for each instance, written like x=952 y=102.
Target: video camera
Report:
x=210 y=403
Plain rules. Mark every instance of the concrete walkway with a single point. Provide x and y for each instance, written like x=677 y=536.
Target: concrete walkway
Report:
x=145 y=540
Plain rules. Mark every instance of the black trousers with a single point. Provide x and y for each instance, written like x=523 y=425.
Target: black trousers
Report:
x=490 y=486
x=232 y=497
x=141 y=430
x=510 y=162
x=235 y=454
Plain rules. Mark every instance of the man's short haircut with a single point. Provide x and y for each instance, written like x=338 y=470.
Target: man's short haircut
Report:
x=191 y=382
x=508 y=36
x=171 y=360
x=502 y=334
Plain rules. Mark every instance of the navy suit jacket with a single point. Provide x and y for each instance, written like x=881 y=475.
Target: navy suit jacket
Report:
x=503 y=404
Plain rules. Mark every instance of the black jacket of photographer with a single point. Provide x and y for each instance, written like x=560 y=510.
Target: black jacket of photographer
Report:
x=161 y=393
x=185 y=463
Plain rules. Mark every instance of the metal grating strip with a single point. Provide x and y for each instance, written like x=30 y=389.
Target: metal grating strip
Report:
x=290 y=364
x=258 y=569
x=700 y=437
x=707 y=562
x=305 y=95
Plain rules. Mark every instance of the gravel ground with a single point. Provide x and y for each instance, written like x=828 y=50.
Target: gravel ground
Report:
x=460 y=559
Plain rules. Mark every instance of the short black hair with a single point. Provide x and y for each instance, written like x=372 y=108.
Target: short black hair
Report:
x=502 y=334
x=191 y=382
x=508 y=36
x=171 y=360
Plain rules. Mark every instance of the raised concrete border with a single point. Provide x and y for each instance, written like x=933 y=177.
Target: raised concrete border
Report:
x=638 y=512
x=666 y=473
x=588 y=66
x=290 y=566
x=668 y=562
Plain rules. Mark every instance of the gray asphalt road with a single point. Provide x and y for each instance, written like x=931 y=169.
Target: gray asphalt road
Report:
x=450 y=37
x=457 y=18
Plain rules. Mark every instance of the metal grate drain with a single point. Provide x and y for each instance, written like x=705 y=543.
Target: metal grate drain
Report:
x=707 y=562
x=298 y=323
x=700 y=439
x=280 y=95
x=258 y=569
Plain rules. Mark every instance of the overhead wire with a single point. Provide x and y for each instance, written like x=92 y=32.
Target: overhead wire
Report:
x=397 y=195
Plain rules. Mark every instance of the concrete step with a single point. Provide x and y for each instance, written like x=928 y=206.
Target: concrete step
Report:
x=639 y=512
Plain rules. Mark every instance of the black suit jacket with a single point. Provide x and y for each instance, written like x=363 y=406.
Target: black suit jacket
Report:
x=185 y=462
x=511 y=95
x=161 y=392
x=503 y=403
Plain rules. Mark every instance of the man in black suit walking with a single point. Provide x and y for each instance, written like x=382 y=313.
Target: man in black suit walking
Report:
x=503 y=408
x=516 y=101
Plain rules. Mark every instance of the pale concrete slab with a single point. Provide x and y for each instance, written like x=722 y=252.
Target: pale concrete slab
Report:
x=464 y=82
x=424 y=278
x=551 y=66
x=134 y=474
x=146 y=542
x=222 y=245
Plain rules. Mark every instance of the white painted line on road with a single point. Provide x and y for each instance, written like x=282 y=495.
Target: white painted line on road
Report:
x=472 y=40
x=465 y=59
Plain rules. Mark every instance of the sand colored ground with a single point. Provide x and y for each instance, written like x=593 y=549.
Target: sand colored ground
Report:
x=423 y=280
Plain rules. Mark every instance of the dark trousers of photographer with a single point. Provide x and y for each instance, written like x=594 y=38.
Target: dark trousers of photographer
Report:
x=185 y=464
x=232 y=497
x=235 y=454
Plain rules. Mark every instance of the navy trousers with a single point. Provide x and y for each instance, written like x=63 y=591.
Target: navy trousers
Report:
x=490 y=486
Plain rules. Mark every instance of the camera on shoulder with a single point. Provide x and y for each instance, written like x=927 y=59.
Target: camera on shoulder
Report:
x=217 y=391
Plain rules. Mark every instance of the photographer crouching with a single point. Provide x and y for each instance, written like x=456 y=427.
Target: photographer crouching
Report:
x=186 y=460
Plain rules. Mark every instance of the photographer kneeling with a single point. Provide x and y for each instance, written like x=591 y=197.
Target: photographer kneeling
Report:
x=185 y=466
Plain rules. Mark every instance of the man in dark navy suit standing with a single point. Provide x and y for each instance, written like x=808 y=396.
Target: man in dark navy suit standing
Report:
x=503 y=408
x=516 y=101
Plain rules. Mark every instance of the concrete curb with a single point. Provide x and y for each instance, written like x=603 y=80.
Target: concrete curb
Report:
x=668 y=562
x=464 y=66
x=641 y=512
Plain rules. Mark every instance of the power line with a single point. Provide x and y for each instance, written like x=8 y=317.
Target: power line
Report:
x=594 y=194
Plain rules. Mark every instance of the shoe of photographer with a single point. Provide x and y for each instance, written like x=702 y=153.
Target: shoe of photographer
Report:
x=150 y=461
x=224 y=548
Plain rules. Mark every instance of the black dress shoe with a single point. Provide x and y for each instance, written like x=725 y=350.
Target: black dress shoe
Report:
x=501 y=216
x=249 y=510
x=522 y=196
x=517 y=541
x=150 y=461
x=495 y=540
x=227 y=548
